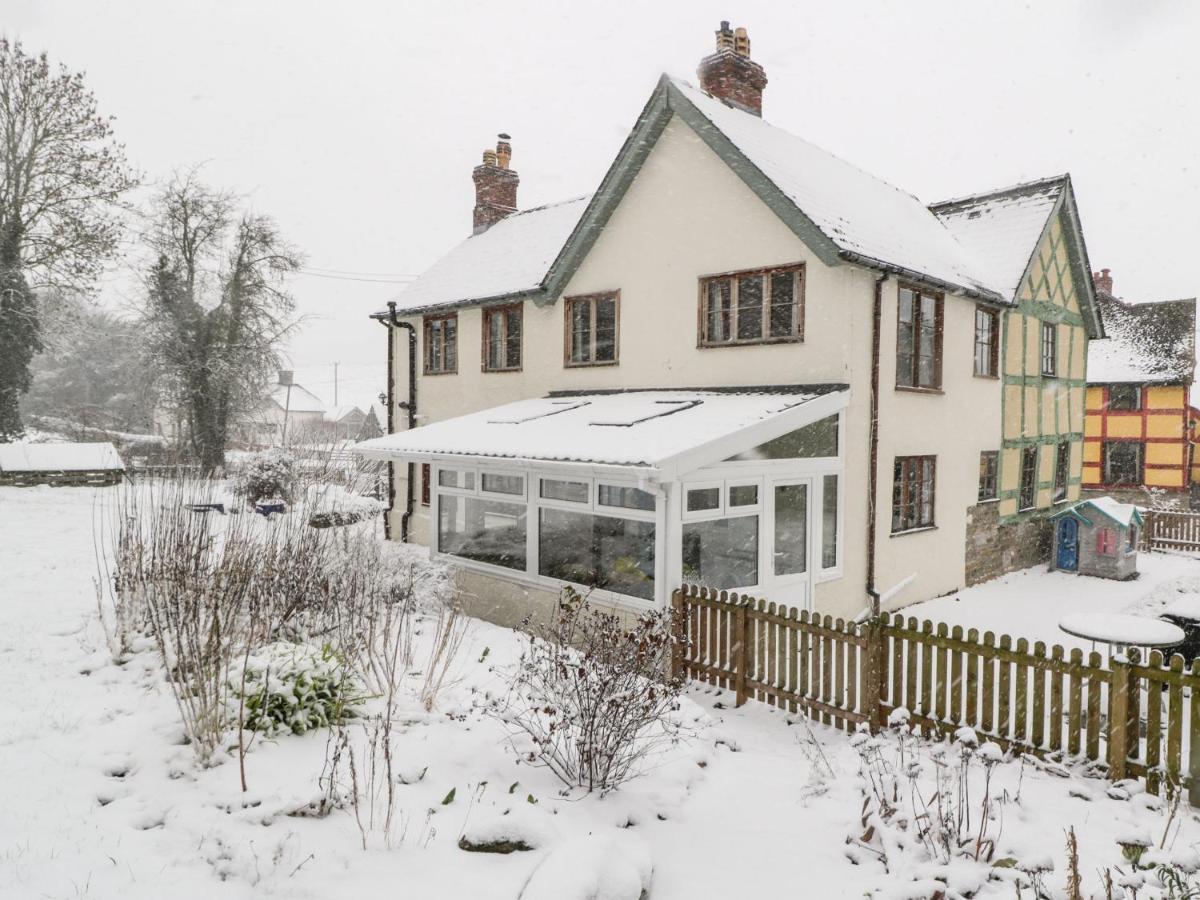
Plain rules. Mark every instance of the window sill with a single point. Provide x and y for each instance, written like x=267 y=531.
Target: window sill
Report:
x=988 y=376
x=908 y=531
x=758 y=342
x=487 y=371
x=919 y=390
x=440 y=372
x=983 y=500
x=589 y=365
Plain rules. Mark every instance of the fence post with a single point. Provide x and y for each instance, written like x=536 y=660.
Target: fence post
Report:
x=1122 y=733
x=873 y=690
x=679 y=632
x=739 y=650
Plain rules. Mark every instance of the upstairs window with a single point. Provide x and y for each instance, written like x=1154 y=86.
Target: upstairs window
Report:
x=441 y=344
x=988 y=464
x=919 y=340
x=502 y=339
x=912 y=493
x=1124 y=397
x=1028 y=492
x=752 y=307
x=592 y=329
x=1049 y=349
x=987 y=342
x=1062 y=469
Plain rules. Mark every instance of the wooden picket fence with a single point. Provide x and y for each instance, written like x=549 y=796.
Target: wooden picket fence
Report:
x=1129 y=717
x=1170 y=530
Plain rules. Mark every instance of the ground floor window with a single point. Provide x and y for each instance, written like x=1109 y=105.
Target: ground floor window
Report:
x=597 y=551
x=488 y=531
x=1062 y=468
x=721 y=553
x=1028 y=492
x=989 y=461
x=913 y=492
x=1122 y=462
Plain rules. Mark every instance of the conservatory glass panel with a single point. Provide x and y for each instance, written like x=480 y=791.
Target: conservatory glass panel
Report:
x=820 y=439
x=597 y=551
x=791 y=529
x=488 y=531
x=721 y=553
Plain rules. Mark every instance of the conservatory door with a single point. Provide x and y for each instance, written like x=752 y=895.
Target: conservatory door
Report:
x=789 y=545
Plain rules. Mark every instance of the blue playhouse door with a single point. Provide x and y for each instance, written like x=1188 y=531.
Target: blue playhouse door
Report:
x=1068 y=544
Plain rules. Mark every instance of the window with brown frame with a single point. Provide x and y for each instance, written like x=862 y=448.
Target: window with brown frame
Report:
x=752 y=307
x=1123 y=462
x=919 y=340
x=1027 y=495
x=989 y=462
x=592 y=325
x=441 y=344
x=1049 y=349
x=502 y=338
x=1124 y=397
x=913 y=493
x=987 y=342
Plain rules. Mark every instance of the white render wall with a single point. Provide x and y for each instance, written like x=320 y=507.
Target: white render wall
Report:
x=687 y=215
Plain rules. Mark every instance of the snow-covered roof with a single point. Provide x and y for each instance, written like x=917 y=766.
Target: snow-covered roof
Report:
x=511 y=257
x=340 y=412
x=1001 y=229
x=1147 y=343
x=90 y=457
x=657 y=434
x=1123 y=514
x=863 y=215
x=294 y=398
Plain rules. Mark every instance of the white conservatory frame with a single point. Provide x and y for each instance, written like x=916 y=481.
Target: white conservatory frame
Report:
x=669 y=516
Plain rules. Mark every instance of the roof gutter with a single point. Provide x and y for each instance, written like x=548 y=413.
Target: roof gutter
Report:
x=869 y=262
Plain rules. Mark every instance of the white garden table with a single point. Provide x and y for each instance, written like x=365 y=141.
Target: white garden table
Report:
x=1121 y=630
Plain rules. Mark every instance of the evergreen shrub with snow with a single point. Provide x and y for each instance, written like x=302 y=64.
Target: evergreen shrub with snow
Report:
x=292 y=688
x=269 y=475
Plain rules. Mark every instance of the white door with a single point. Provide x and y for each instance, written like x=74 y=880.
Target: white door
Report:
x=789 y=546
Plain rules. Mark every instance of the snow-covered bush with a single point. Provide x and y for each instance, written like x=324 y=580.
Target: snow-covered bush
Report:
x=291 y=688
x=593 y=696
x=269 y=475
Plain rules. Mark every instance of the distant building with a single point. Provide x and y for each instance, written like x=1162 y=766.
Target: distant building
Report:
x=1140 y=424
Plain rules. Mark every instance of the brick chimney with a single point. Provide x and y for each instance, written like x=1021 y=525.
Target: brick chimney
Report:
x=285 y=376
x=1103 y=282
x=730 y=75
x=495 y=186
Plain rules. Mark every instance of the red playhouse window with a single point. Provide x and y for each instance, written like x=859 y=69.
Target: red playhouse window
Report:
x=1106 y=542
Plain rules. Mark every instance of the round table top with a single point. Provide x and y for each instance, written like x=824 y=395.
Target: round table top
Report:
x=1122 y=628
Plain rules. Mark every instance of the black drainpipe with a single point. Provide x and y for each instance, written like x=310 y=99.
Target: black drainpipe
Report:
x=873 y=466
x=411 y=408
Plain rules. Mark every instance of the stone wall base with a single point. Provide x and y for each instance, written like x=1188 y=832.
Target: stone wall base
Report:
x=994 y=549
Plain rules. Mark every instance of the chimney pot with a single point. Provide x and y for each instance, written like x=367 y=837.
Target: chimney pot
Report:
x=729 y=74
x=495 y=186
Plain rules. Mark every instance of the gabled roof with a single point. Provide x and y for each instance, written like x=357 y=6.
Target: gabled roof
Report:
x=842 y=213
x=653 y=434
x=1001 y=229
x=508 y=260
x=1122 y=514
x=297 y=400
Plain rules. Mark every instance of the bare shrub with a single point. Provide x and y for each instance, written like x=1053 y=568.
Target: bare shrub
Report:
x=593 y=695
x=450 y=629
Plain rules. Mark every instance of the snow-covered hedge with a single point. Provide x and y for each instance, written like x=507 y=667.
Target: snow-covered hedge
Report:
x=291 y=688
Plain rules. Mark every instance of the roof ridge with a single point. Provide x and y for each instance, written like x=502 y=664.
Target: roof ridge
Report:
x=533 y=209
x=1022 y=187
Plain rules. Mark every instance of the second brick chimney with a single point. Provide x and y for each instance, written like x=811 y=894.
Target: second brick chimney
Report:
x=1103 y=282
x=495 y=186
x=730 y=75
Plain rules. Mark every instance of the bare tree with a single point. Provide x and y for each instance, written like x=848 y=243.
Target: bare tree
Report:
x=61 y=178
x=216 y=308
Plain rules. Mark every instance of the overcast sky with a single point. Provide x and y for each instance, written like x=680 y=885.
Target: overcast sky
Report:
x=356 y=124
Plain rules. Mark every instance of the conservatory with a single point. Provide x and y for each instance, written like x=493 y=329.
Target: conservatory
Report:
x=628 y=494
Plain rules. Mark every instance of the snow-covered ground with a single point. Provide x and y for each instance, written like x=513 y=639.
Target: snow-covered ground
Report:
x=100 y=799
x=1030 y=603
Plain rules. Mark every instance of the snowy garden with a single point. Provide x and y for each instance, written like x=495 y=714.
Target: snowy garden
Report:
x=299 y=711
